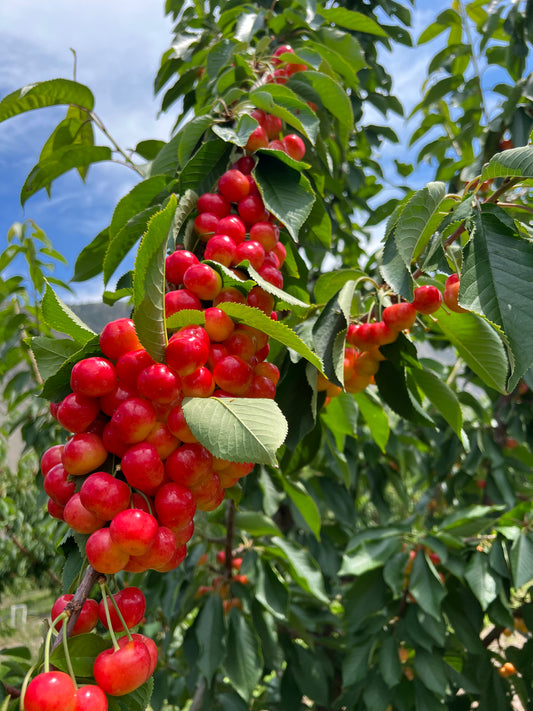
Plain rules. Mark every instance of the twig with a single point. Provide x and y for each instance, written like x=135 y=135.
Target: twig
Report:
x=75 y=605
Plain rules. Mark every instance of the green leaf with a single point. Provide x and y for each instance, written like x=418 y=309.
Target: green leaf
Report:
x=209 y=626
x=418 y=221
x=149 y=283
x=237 y=429
x=369 y=555
x=375 y=417
x=281 y=101
x=138 y=198
x=190 y=134
x=389 y=661
x=513 y=163
x=285 y=192
x=469 y=521
x=329 y=332
x=244 y=662
x=305 y=504
x=283 y=298
x=45 y=93
x=478 y=344
x=239 y=135
x=441 y=396
x=432 y=671
x=392 y=387
x=426 y=587
x=57 y=386
x=334 y=97
x=394 y=271
x=522 y=559
x=275 y=329
x=481 y=579
x=303 y=567
x=497 y=280
x=330 y=283
x=205 y=167
x=90 y=260
x=137 y=700
x=60 y=162
x=271 y=592
x=256 y=523
x=353 y=21
x=83 y=650
x=51 y=353
x=59 y=317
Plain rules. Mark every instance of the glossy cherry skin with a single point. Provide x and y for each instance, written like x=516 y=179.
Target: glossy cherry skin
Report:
x=124 y=670
x=50 y=691
x=132 y=605
x=90 y=698
x=88 y=616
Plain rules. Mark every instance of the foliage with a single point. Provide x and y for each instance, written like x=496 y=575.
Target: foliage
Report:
x=387 y=543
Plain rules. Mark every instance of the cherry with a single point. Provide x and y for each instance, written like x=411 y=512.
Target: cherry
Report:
x=178 y=557
x=199 y=383
x=128 y=367
x=58 y=486
x=282 y=49
x=205 y=225
x=118 y=337
x=281 y=253
x=87 y=618
x=133 y=530
x=214 y=203
x=272 y=125
x=261 y=386
x=252 y=209
x=50 y=458
x=451 y=294
x=427 y=299
x=160 y=552
x=189 y=464
x=132 y=605
x=143 y=468
x=260 y=299
x=258 y=139
x=104 y=495
x=109 y=403
x=365 y=364
x=50 y=691
x=251 y=251
x=233 y=185
x=233 y=374
x=357 y=383
x=177 y=263
x=268 y=370
x=294 y=146
x=400 y=316
x=209 y=494
x=233 y=227
x=178 y=425
x=272 y=275
x=277 y=145
x=83 y=453
x=93 y=377
x=55 y=510
x=174 y=505
x=104 y=554
x=203 y=281
x=182 y=299
x=245 y=164
x=79 y=518
x=221 y=249
x=183 y=535
x=90 y=698
x=162 y=439
x=118 y=672
x=158 y=383
x=218 y=324
x=133 y=419
x=241 y=343
x=112 y=442
x=266 y=234
x=76 y=412
x=184 y=354
x=229 y=294
x=150 y=645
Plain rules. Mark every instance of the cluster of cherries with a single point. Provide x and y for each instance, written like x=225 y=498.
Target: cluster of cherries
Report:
x=362 y=355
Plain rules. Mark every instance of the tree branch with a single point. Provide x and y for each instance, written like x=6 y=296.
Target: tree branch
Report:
x=75 y=605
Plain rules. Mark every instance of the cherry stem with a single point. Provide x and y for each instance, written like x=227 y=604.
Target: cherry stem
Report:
x=119 y=614
x=104 y=590
x=48 y=646
x=150 y=508
x=68 y=660
x=74 y=606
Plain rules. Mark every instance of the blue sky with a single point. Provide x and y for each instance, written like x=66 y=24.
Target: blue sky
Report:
x=118 y=55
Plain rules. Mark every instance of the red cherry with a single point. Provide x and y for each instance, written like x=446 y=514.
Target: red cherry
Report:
x=400 y=316
x=50 y=691
x=160 y=552
x=132 y=605
x=129 y=366
x=189 y=464
x=103 y=554
x=133 y=419
x=451 y=294
x=258 y=139
x=214 y=203
x=158 y=384
x=233 y=375
x=203 y=281
x=179 y=300
x=177 y=263
x=121 y=671
x=90 y=698
x=79 y=518
x=174 y=505
x=233 y=185
x=199 y=383
x=83 y=453
x=50 y=458
x=178 y=426
x=221 y=249
x=150 y=645
x=109 y=403
x=252 y=209
x=58 y=486
x=178 y=558
x=205 y=225
x=104 y=495
x=427 y=299
x=77 y=412
x=118 y=337
x=245 y=164
x=233 y=227
x=93 y=377
x=294 y=146
x=266 y=234
x=229 y=295
x=143 y=468
x=133 y=530
x=251 y=251
x=162 y=439
x=87 y=618
x=184 y=354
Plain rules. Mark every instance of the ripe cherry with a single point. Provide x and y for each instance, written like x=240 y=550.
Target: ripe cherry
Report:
x=158 y=383
x=427 y=299
x=90 y=698
x=214 y=203
x=132 y=605
x=50 y=691
x=118 y=672
x=233 y=227
x=294 y=146
x=87 y=618
x=50 y=458
x=93 y=377
x=205 y=225
x=104 y=495
x=118 y=337
x=221 y=249
x=189 y=464
x=104 y=554
x=203 y=281
x=58 y=486
x=252 y=209
x=79 y=518
x=400 y=316
x=133 y=419
x=133 y=530
x=174 y=505
x=177 y=263
x=143 y=468
x=233 y=374
x=451 y=294
x=83 y=453
x=180 y=299
x=77 y=412
x=258 y=139
x=233 y=185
